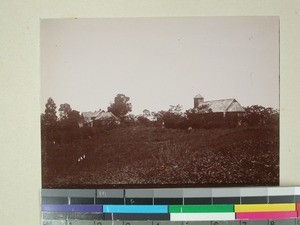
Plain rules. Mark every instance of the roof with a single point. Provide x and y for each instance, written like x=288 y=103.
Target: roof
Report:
x=88 y=116
x=198 y=96
x=105 y=116
x=223 y=105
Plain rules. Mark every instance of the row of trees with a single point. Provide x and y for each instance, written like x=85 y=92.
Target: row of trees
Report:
x=254 y=115
x=66 y=126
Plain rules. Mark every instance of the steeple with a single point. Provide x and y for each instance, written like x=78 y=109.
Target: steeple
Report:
x=197 y=100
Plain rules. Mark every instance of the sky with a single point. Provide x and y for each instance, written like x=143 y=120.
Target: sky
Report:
x=159 y=62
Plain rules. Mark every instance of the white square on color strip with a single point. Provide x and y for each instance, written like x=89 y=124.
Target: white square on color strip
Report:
x=253 y=192
x=226 y=192
x=297 y=190
x=197 y=192
x=278 y=191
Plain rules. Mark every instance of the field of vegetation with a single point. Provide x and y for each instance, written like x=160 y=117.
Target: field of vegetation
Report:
x=140 y=156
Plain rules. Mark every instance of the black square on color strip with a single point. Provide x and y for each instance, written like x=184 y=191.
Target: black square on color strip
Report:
x=226 y=200
x=282 y=199
x=197 y=201
x=139 y=201
x=168 y=201
x=297 y=198
x=255 y=200
x=82 y=201
x=110 y=201
x=54 y=200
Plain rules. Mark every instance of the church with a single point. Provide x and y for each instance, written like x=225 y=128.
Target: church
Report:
x=225 y=106
x=228 y=112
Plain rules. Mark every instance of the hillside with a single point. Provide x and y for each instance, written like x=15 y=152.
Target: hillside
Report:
x=152 y=157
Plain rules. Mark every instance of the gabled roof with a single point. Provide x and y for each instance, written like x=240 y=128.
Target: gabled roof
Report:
x=88 y=116
x=224 y=105
x=105 y=116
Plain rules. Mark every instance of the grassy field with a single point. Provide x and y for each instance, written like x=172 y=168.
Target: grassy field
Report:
x=154 y=157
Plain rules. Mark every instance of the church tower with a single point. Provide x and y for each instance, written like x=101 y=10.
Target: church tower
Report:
x=197 y=100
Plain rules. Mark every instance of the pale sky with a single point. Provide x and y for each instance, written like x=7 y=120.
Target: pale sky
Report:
x=159 y=62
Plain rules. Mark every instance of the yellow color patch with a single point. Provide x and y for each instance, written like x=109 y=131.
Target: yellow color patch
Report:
x=265 y=207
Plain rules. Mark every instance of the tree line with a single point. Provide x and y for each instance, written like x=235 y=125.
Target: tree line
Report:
x=67 y=125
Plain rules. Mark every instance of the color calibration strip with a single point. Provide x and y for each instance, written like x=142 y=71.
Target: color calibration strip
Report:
x=211 y=206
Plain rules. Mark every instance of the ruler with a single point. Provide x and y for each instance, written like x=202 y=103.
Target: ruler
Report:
x=187 y=206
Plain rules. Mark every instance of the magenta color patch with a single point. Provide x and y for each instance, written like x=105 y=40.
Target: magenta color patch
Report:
x=265 y=215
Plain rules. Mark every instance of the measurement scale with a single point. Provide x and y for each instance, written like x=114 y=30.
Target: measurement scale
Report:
x=174 y=206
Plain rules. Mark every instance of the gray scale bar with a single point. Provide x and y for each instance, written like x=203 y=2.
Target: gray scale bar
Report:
x=110 y=193
x=54 y=216
x=197 y=201
x=137 y=216
x=139 y=193
x=54 y=222
x=168 y=193
x=254 y=192
x=139 y=201
x=281 y=191
x=255 y=200
x=197 y=193
x=226 y=200
x=226 y=192
x=197 y=223
x=54 y=193
x=82 y=193
x=85 y=216
x=110 y=201
x=282 y=199
x=82 y=200
x=254 y=222
x=103 y=222
x=233 y=222
x=131 y=222
x=80 y=222
x=54 y=200
x=218 y=222
x=167 y=223
x=137 y=222
x=282 y=222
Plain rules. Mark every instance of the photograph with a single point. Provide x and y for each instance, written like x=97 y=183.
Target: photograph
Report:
x=160 y=102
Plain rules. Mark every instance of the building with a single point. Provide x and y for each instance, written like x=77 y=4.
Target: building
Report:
x=225 y=106
x=228 y=111
x=99 y=117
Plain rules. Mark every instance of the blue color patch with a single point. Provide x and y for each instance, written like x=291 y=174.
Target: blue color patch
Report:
x=135 y=208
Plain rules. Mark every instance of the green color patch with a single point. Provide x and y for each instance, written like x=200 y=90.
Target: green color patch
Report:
x=200 y=208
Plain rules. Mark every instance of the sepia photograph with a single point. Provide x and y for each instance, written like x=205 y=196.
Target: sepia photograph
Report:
x=160 y=102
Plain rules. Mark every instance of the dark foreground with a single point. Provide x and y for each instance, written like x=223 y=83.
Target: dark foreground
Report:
x=154 y=157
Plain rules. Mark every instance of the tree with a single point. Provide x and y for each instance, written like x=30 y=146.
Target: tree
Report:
x=259 y=115
x=146 y=113
x=174 y=117
x=64 y=111
x=49 y=118
x=121 y=106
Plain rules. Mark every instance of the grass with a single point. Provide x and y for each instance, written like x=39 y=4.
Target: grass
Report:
x=152 y=157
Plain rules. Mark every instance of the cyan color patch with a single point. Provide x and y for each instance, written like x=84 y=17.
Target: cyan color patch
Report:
x=135 y=208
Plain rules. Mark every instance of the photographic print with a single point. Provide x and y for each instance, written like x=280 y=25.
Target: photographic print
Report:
x=160 y=102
